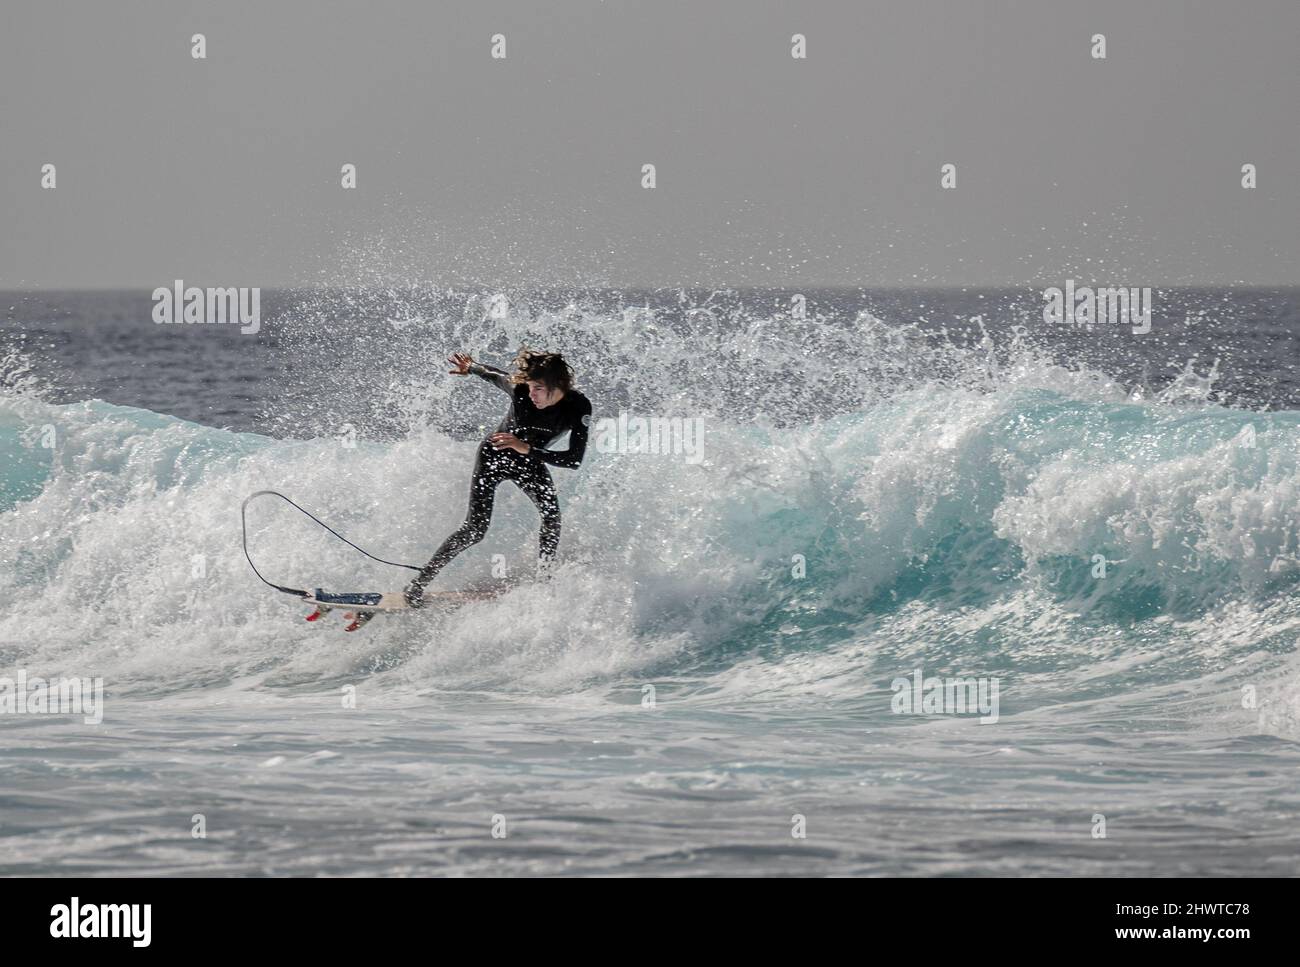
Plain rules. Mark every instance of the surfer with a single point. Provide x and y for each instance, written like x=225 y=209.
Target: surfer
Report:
x=543 y=407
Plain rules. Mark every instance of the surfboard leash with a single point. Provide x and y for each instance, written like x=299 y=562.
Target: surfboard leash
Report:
x=243 y=523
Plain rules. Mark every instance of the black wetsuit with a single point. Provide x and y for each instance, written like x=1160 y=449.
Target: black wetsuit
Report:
x=537 y=428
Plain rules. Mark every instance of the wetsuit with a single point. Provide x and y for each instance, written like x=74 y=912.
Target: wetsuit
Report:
x=538 y=428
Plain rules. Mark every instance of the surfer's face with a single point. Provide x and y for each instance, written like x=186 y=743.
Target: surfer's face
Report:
x=543 y=396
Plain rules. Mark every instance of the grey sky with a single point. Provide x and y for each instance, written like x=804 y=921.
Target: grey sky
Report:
x=770 y=170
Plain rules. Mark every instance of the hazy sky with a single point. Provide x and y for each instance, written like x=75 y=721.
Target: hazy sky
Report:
x=771 y=170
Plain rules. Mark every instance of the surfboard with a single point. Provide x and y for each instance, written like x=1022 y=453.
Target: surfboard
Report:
x=394 y=600
x=362 y=606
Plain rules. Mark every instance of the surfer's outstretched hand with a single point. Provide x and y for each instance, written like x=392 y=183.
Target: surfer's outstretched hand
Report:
x=462 y=363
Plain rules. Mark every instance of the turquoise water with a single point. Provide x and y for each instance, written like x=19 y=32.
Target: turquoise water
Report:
x=1125 y=568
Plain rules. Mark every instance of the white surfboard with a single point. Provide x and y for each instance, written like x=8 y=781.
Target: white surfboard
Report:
x=364 y=601
x=362 y=606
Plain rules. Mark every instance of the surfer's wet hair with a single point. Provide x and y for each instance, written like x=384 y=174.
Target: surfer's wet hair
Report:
x=549 y=369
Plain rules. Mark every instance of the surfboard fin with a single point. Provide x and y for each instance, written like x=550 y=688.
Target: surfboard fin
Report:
x=359 y=619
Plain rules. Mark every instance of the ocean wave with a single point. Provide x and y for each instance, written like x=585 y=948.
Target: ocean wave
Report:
x=1011 y=515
